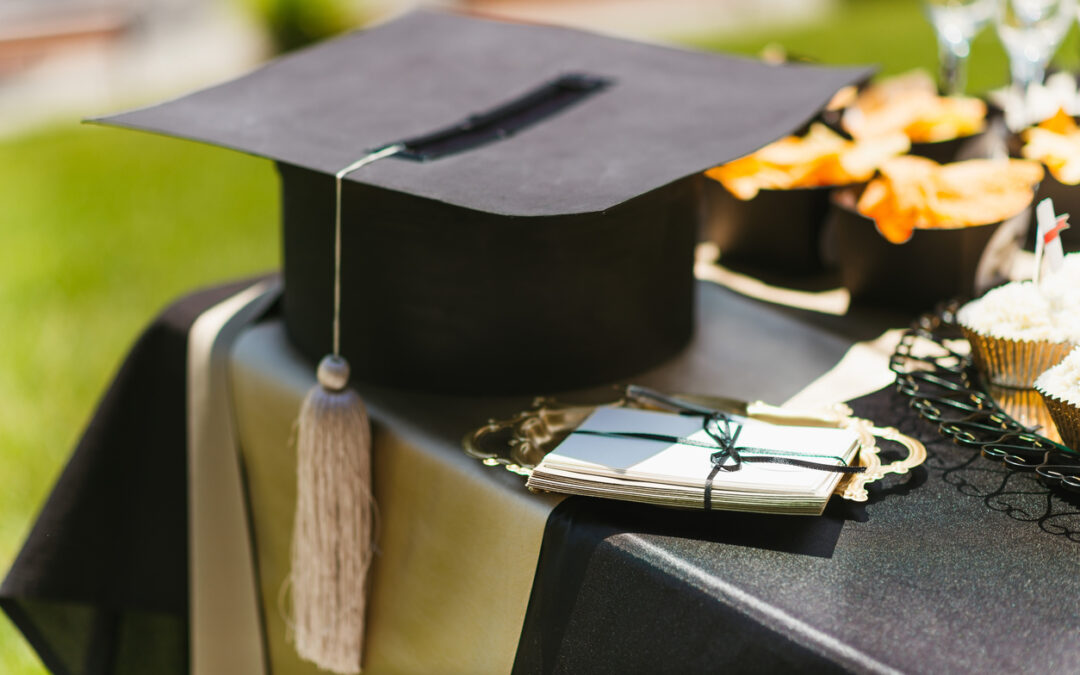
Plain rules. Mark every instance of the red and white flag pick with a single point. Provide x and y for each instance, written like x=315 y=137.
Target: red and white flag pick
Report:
x=1048 y=249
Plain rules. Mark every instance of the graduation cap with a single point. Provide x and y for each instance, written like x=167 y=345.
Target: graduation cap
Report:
x=536 y=230
x=518 y=212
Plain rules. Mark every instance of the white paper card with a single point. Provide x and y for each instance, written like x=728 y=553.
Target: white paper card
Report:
x=689 y=465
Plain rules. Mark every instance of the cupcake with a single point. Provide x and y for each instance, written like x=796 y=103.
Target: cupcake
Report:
x=1018 y=330
x=1060 y=390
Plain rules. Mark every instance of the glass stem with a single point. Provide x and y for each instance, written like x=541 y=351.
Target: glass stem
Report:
x=1038 y=72
x=953 y=59
x=1025 y=72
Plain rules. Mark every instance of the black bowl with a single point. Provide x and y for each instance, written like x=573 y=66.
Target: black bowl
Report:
x=778 y=230
x=948 y=150
x=934 y=265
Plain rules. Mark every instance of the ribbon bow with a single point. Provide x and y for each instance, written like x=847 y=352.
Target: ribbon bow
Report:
x=724 y=432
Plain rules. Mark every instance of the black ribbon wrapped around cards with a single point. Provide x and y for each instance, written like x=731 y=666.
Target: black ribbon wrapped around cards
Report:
x=724 y=431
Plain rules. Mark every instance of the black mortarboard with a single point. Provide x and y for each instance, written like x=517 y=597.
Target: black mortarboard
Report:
x=537 y=229
x=523 y=217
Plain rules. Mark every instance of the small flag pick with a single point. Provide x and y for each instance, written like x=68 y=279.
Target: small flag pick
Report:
x=1048 y=249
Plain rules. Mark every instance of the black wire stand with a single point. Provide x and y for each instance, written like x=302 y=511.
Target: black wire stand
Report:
x=946 y=390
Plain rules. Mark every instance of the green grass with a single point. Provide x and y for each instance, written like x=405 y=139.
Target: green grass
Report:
x=100 y=228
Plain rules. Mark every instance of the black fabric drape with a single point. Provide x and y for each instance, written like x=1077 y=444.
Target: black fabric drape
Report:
x=101 y=583
x=599 y=608
x=960 y=566
x=702 y=632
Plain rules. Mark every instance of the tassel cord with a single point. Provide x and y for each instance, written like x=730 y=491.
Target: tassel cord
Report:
x=388 y=151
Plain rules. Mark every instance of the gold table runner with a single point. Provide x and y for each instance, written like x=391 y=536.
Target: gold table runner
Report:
x=458 y=542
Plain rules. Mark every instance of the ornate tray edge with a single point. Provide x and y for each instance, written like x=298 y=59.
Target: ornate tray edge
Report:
x=518 y=442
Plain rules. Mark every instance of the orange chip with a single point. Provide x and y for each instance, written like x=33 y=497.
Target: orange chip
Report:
x=1056 y=143
x=947 y=118
x=1061 y=123
x=909 y=103
x=820 y=158
x=843 y=98
x=917 y=193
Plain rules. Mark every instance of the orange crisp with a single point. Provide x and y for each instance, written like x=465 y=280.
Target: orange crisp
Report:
x=1056 y=143
x=915 y=192
x=820 y=158
x=910 y=104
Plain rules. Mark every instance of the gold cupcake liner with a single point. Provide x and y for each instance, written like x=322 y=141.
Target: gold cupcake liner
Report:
x=1066 y=417
x=1027 y=407
x=1013 y=363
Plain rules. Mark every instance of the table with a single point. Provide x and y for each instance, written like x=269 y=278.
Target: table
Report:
x=959 y=567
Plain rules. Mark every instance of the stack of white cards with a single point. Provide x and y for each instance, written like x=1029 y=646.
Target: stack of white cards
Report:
x=671 y=473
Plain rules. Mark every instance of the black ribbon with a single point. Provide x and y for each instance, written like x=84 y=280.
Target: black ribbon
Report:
x=724 y=432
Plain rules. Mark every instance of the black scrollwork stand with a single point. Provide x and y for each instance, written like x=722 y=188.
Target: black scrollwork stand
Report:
x=945 y=389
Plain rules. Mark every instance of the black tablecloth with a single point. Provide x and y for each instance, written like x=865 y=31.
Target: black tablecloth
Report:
x=100 y=586
x=960 y=566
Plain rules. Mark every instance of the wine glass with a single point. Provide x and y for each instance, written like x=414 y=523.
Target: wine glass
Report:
x=956 y=22
x=1031 y=31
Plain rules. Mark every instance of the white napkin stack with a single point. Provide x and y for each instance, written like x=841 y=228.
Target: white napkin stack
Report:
x=675 y=474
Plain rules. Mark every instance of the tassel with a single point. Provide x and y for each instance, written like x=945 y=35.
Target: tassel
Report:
x=332 y=542
x=333 y=537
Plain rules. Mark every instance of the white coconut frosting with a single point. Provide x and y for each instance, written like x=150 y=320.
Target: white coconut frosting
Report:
x=1022 y=311
x=1063 y=287
x=1063 y=380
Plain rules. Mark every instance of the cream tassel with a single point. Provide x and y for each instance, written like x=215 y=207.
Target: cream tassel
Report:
x=333 y=533
x=333 y=537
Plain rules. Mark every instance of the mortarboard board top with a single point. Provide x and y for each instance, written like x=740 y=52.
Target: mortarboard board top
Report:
x=597 y=165
x=668 y=113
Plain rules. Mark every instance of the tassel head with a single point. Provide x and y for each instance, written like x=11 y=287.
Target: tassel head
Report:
x=333 y=373
x=333 y=529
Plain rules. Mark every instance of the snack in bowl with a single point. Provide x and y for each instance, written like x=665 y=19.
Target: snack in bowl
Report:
x=958 y=233
x=910 y=104
x=1038 y=102
x=766 y=209
x=820 y=158
x=917 y=193
x=1019 y=330
x=1059 y=387
x=1056 y=143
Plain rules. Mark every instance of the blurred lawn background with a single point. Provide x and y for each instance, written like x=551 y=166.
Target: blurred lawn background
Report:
x=101 y=228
